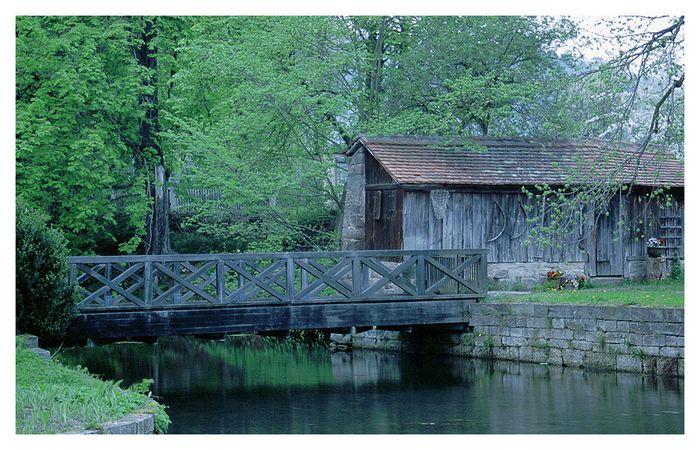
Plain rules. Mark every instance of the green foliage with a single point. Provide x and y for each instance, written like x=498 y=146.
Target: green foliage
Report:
x=676 y=268
x=77 y=115
x=52 y=398
x=45 y=301
x=258 y=107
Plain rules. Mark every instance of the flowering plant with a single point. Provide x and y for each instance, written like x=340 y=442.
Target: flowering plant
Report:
x=655 y=242
x=554 y=274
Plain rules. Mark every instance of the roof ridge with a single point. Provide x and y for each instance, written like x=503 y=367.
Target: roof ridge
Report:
x=533 y=139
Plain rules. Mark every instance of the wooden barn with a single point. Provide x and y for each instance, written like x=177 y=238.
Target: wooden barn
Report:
x=444 y=193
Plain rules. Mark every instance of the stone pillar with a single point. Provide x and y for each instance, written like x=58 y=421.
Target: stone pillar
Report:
x=353 y=232
x=654 y=268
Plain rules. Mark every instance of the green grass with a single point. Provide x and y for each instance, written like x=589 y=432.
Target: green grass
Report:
x=52 y=398
x=647 y=293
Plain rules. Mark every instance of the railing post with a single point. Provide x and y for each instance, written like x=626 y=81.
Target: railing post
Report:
x=177 y=270
x=148 y=282
x=72 y=274
x=108 y=275
x=356 y=277
x=290 y=278
x=483 y=274
x=420 y=275
x=220 y=280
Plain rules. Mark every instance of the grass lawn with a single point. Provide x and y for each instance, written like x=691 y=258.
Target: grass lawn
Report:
x=52 y=398
x=647 y=293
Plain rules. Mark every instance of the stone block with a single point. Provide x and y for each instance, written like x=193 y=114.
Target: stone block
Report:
x=574 y=324
x=516 y=332
x=41 y=352
x=673 y=315
x=634 y=339
x=614 y=337
x=537 y=322
x=534 y=354
x=655 y=314
x=623 y=313
x=513 y=341
x=561 y=311
x=600 y=360
x=581 y=345
x=562 y=334
x=531 y=332
x=615 y=348
x=554 y=356
x=640 y=327
x=540 y=310
x=628 y=363
x=649 y=350
x=537 y=342
x=131 y=424
x=656 y=340
x=515 y=321
x=674 y=341
x=622 y=326
x=523 y=309
x=673 y=352
x=641 y=314
x=30 y=341
x=557 y=322
x=607 y=325
x=558 y=343
x=341 y=338
x=573 y=358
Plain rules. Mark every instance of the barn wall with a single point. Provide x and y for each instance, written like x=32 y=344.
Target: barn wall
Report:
x=472 y=219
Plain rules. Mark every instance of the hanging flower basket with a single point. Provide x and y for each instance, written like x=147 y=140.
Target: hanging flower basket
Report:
x=654 y=252
x=654 y=247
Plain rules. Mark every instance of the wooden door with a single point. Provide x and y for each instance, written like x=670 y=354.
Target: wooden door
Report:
x=609 y=256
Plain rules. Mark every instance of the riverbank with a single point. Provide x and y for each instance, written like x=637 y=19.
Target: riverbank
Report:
x=647 y=340
x=52 y=398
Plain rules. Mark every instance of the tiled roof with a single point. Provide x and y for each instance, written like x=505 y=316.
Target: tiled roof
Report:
x=518 y=161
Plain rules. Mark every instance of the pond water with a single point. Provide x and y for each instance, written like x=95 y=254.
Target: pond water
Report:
x=228 y=387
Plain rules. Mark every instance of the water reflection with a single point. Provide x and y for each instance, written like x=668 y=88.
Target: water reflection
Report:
x=217 y=387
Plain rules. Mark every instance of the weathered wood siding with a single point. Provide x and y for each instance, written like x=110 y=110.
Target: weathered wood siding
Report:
x=383 y=219
x=473 y=219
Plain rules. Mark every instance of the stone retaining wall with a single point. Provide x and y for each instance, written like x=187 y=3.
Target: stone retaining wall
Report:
x=630 y=339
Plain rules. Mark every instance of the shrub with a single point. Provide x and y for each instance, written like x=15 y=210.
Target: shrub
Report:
x=44 y=299
x=676 y=269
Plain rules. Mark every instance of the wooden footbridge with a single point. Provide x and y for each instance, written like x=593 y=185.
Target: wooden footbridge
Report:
x=140 y=296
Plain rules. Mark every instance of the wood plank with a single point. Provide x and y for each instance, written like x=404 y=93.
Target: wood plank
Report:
x=230 y=319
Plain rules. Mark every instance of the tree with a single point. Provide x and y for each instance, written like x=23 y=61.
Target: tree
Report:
x=77 y=110
x=636 y=96
x=88 y=126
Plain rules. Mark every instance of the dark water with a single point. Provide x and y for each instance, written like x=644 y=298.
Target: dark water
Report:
x=218 y=387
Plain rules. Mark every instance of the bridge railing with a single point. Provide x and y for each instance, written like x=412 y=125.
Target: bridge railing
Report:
x=174 y=281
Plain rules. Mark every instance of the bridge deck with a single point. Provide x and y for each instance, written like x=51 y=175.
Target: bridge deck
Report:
x=202 y=294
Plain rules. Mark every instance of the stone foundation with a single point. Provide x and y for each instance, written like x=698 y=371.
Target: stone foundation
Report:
x=529 y=274
x=628 y=339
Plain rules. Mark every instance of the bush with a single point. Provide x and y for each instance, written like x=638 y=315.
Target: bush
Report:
x=676 y=268
x=45 y=300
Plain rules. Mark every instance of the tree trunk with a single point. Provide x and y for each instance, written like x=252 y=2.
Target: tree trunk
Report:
x=158 y=235
x=157 y=224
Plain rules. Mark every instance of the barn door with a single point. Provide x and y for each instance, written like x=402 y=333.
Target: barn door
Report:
x=608 y=242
